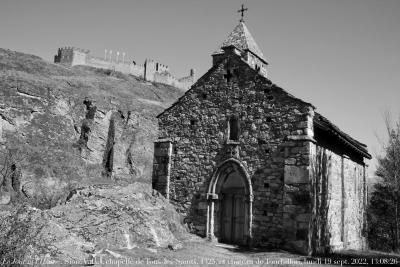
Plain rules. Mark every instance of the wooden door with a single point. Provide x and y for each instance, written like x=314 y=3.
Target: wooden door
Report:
x=233 y=219
x=226 y=218
x=238 y=219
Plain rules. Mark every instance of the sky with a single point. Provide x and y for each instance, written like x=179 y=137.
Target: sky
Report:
x=343 y=56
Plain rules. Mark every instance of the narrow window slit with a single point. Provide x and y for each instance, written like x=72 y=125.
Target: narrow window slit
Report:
x=234 y=128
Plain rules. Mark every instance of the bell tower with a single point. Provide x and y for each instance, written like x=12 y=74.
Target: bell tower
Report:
x=245 y=46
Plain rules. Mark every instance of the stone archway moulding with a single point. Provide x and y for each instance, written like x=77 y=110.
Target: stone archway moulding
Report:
x=212 y=196
x=216 y=175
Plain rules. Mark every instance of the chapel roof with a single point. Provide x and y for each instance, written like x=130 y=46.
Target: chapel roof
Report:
x=327 y=126
x=241 y=38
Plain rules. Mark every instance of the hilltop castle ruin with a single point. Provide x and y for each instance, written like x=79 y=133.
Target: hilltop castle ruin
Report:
x=150 y=71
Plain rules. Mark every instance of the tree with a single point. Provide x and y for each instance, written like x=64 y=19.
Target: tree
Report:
x=384 y=203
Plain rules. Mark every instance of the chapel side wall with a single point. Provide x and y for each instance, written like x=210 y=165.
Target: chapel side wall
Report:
x=340 y=206
x=326 y=226
x=335 y=194
x=354 y=206
x=198 y=127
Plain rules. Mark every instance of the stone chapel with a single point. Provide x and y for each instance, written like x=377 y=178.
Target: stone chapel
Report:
x=247 y=163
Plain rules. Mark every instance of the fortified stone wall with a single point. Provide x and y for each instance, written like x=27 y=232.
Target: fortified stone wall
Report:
x=274 y=131
x=136 y=70
x=79 y=57
x=187 y=81
x=151 y=70
x=99 y=63
x=71 y=56
x=165 y=78
x=122 y=67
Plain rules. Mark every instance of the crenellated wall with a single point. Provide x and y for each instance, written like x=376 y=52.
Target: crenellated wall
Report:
x=166 y=78
x=188 y=81
x=136 y=70
x=150 y=71
x=71 y=56
x=99 y=63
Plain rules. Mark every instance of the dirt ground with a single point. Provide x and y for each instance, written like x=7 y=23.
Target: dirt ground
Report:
x=198 y=252
x=202 y=253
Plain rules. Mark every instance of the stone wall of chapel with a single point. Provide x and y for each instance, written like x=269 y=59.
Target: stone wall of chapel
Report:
x=338 y=200
x=274 y=128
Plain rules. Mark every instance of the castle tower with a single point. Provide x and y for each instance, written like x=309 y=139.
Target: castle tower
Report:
x=193 y=74
x=244 y=44
x=149 y=69
x=71 y=56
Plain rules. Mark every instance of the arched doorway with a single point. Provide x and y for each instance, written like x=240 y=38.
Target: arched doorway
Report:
x=232 y=206
x=229 y=216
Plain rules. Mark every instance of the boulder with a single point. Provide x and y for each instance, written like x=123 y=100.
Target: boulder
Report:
x=96 y=220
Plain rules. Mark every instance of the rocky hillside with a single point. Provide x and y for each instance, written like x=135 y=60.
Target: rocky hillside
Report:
x=97 y=222
x=62 y=128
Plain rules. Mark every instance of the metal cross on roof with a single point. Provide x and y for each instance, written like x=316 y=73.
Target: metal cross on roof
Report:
x=242 y=10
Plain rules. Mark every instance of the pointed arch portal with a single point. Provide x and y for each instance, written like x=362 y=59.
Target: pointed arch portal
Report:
x=229 y=205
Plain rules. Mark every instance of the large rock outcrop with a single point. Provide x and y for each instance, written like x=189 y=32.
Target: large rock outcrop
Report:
x=64 y=127
x=97 y=221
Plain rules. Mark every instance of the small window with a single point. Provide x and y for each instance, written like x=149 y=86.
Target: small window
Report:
x=234 y=128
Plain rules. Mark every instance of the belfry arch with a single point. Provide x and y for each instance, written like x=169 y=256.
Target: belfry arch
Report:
x=230 y=204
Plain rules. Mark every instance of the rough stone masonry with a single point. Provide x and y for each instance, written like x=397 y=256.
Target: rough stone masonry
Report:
x=247 y=163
